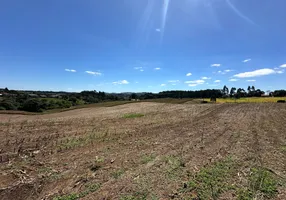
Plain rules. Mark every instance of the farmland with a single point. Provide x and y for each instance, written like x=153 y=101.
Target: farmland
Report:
x=146 y=150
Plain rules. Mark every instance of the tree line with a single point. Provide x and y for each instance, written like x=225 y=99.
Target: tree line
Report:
x=38 y=101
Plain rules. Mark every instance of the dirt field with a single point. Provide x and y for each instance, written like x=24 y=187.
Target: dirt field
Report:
x=146 y=151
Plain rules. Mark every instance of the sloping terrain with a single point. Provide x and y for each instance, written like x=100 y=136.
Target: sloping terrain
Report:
x=146 y=151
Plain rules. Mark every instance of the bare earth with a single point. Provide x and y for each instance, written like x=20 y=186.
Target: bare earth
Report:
x=48 y=156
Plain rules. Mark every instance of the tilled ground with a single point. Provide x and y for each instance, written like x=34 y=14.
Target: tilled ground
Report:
x=96 y=153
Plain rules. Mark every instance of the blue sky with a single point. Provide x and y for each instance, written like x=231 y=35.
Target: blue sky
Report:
x=142 y=45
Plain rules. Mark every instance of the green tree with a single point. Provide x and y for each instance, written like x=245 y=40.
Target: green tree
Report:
x=134 y=96
x=33 y=105
x=9 y=104
x=225 y=90
x=248 y=89
x=252 y=88
x=232 y=91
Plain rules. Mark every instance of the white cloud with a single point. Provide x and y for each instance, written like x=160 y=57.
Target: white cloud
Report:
x=158 y=30
x=283 y=66
x=157 y=68
x=233 y=80
x=93 y=73
x=255 y=73
x=246 y=60
x=276 y=68
x=250 y=80
x=280 y=71
x=174 y=81
x=163 y=84
x=70 y=70
x=139 y=68
x=189 y=74
x=123 y=82
x=224 y=71
x=195 y=82
x=217 y=81
x=206 y=78
x=215 y=65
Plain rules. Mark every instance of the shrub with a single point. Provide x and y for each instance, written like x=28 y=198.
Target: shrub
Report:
x=8 y=104
x=281 y=101
x=2 y=108
x=204 y=102
x=33 y=105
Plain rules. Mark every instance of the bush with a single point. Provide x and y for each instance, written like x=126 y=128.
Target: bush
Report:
x=281 y=101
x=2 y=108
x=204 y=102
x=33 y=105
x=8 y=104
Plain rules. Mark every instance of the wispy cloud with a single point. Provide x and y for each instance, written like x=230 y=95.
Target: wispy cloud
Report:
x=195 y=83
x=206 y=78
x=250 y=80
x=224 y=71
x=174 y=81
x=283 y=66
x=255 y=73
x=157 y=68
x=158 y=30
x=238 y=12
x=163 y=84
x=70 y=70
x=189 y=74
x=233 y=80
x=139 y=68
x=93 y=73
x=123 y=82
x=215 y=65
x=246 y=60
x=217 y=81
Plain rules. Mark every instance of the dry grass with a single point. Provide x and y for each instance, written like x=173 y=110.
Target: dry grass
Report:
x=96 y=153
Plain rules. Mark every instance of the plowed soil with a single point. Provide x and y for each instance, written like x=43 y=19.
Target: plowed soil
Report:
x=97 y=153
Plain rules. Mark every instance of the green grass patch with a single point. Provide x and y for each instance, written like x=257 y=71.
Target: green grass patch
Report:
x=133 y=115
x=147 y=158
x=210 y=182
x=283 y=148
x=73 y=142
x=261 y=184
x=116 y=174
x=174 y=165
x=89 y=188
x=262 y=181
